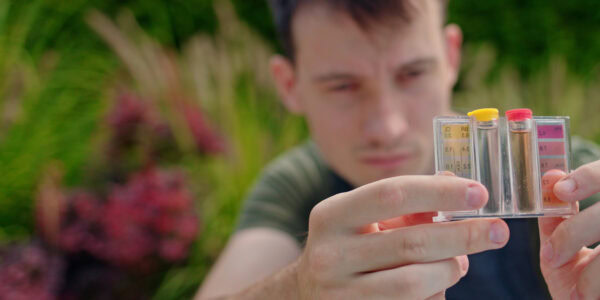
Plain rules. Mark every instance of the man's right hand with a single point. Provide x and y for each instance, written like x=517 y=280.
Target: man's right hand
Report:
x=352 y=251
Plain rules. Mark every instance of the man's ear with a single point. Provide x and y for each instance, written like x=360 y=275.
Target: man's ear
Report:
x=454 y=39
x=285 y=82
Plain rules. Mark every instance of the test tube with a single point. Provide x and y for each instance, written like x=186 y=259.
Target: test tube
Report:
x=487 y=156
x=522 y=159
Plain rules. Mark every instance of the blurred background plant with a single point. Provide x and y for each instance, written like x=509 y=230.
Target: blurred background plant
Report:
x=131 y=130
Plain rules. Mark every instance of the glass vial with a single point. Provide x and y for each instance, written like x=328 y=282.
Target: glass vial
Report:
x=522 y=159
x=487 y=158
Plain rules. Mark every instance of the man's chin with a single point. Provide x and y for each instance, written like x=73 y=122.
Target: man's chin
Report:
x=363 y=174
x=376 y=175
x=394 y=173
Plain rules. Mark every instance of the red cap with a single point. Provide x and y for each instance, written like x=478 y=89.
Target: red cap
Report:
x=519 y=114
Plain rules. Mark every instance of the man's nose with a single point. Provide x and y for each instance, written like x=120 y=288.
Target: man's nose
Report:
x=386 y=119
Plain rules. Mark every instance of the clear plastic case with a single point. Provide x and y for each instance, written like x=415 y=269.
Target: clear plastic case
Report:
x=509 y=157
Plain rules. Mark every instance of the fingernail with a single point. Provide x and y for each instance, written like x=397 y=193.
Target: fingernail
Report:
x=475 y=196
x=565 y=186
x=575 y=295
x=498 y=233
x=547 y=252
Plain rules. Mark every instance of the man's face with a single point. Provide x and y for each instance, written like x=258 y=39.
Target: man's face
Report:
x=369 y=96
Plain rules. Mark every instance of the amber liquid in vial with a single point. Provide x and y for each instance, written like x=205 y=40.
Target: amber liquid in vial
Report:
x=489 y=164
x=522 y=166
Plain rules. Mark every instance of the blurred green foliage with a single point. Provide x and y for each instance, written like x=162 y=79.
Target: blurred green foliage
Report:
x=53 y=73
x=50 y=103
x=526 y=34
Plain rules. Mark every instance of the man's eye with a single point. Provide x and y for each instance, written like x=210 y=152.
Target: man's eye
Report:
x=344 y=87
x=415 y=73
x=412 y=74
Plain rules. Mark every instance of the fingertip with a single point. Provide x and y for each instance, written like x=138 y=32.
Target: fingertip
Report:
x=477 y=195
x=565 y=188
x=551 y=177
x=463 y=260
x=499 y=232
x=557 y=184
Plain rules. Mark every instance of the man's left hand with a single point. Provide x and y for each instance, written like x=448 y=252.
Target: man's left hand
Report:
x=572 y=270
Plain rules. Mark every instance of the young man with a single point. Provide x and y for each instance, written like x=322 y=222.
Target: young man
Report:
x=348 y=214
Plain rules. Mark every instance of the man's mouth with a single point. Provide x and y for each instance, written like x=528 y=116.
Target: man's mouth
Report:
x=386 y=161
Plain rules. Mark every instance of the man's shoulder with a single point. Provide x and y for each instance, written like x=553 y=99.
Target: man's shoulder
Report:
x=301 y=161
x=288 y=189
x=300 y=172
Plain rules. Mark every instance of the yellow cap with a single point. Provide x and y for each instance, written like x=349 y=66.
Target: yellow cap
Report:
x=484 y=114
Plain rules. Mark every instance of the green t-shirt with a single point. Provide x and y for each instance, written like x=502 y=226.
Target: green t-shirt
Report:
x=287 y=191
x=295 y=182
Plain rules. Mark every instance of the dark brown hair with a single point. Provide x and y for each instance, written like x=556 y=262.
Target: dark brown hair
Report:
x=364 y=12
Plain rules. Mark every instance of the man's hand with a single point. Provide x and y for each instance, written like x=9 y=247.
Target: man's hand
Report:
x=572 y=270
x=378 y=241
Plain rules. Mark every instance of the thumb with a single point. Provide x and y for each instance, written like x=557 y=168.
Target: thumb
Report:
x=548 y=224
